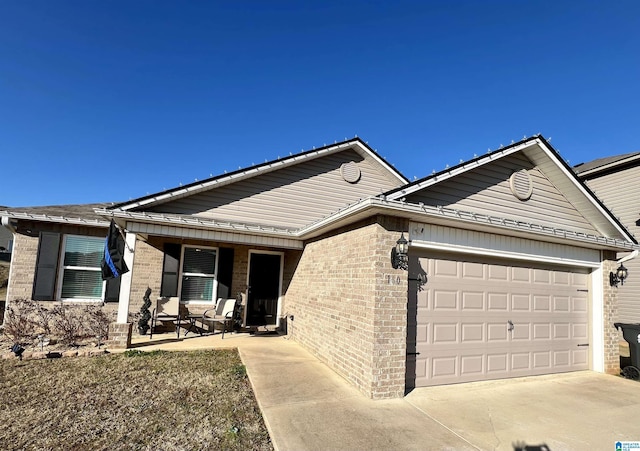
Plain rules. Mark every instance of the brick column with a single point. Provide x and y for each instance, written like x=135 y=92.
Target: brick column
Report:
x=610 y=315
x=119 y=335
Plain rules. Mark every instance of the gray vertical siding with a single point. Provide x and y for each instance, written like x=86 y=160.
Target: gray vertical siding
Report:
x=291 y=197
x=620 y=192
x=486 y=190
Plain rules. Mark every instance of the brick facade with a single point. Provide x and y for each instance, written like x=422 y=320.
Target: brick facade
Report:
x=612 y=337
x=25 y=253
x=349 y=306
x=147 y=270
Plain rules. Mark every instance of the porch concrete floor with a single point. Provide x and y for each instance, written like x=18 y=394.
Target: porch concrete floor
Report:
x=307 y=406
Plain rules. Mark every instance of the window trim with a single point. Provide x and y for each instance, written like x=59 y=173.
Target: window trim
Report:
x=181 y=274
x=62 y=267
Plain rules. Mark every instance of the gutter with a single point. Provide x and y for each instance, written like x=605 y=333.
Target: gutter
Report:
x=9 y=223
x=631 y=256
x=444 y=215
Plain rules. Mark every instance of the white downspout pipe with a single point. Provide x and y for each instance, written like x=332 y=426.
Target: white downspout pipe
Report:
x=631 y=256
x=125 y=283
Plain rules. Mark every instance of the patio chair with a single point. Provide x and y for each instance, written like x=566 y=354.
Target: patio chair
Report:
x=168 y=310
x=223 y=313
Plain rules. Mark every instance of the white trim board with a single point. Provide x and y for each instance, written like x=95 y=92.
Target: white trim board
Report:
x=481 y=243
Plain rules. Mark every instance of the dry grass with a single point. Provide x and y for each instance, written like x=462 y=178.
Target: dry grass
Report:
x=199 y=400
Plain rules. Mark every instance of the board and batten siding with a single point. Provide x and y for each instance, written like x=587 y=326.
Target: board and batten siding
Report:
x=486 y=190
x=290 y=197
x=620 y=192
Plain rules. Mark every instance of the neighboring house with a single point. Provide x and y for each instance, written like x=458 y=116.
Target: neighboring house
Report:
x=615 y=181
x=507 y=276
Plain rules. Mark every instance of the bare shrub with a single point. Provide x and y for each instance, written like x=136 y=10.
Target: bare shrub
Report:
x=97 y=323
x=42 y=318
x=68 y=324
x=18 y=322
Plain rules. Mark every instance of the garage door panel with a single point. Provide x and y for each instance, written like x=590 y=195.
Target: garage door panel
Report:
x=580 y=304
x=521 y=361
x=472 y=300
x=497 y=363
x=497 y=332
x=542 y=359
x=446 y=269
x=580 y=356
x=560 y=304
x=521 y=332
x=465 y=311
x=580 y=331
x=521 y=275
x=473 y=270
x=445 y=300
x=541 y=331
x=472 y=333
x=542 y=303
x=472 y=364
x=561 y=331
x=497 y=301
x=562 y=358
x=445 y=333
x=520 y=303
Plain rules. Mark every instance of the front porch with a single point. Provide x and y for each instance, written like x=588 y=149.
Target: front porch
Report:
x=168 y=341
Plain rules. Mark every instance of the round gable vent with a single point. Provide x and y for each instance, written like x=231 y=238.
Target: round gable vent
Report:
x=521 y=184
x=350 y=172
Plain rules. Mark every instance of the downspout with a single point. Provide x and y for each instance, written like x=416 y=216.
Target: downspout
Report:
x=12 y=227
x=631 y=256
x=9 y=224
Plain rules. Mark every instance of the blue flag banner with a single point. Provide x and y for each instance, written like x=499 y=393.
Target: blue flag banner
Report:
x=113 y=264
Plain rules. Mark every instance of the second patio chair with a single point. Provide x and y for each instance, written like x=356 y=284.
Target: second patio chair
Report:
x=224 y=314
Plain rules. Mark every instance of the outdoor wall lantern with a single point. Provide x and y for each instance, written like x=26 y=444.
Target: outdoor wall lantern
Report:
x=399 y=257
x=619 y=276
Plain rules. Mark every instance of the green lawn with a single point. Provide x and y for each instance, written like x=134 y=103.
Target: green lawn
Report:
x=199 y=400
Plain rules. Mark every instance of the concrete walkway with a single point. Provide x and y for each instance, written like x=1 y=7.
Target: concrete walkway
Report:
x=307 y=406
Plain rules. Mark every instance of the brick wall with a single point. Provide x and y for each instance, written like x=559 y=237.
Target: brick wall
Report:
x=148 y=261
x=612 y=337
x=24 y=256
x=146 y=272
x=25 y=253
x=347 y=312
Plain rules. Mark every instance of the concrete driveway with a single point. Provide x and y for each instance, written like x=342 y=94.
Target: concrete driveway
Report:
x=309 y=407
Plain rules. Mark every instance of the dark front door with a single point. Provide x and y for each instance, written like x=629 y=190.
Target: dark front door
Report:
x=264 y=289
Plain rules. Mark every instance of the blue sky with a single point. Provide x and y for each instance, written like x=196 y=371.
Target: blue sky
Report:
x=111 y=100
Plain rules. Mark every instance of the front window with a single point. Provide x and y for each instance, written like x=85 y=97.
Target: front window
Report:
x=199 y=282
x=81 y=276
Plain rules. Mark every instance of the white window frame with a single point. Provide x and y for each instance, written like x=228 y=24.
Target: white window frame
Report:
x=62 y=268
x=181 y=275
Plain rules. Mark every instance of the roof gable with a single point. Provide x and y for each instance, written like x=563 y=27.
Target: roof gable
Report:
x=292 y=192
x=223 y=179
x=571 y=203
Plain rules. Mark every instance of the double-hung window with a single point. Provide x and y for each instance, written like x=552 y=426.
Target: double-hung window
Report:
x=80 y=274
x=199 y=278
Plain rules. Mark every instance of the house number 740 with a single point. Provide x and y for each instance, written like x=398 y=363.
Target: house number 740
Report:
x=391 y=280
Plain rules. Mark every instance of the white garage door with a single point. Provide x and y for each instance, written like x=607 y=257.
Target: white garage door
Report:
x=491 y=319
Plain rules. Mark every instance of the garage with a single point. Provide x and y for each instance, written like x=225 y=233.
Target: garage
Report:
x=477 y=318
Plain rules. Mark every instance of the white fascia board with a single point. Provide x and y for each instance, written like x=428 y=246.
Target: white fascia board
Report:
x=56 y=219
x=474 y=221
x=362 y=148
x=460 y=169
x=578 y=185
x=238 y=175
x=198 y=223
x=504 y=254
